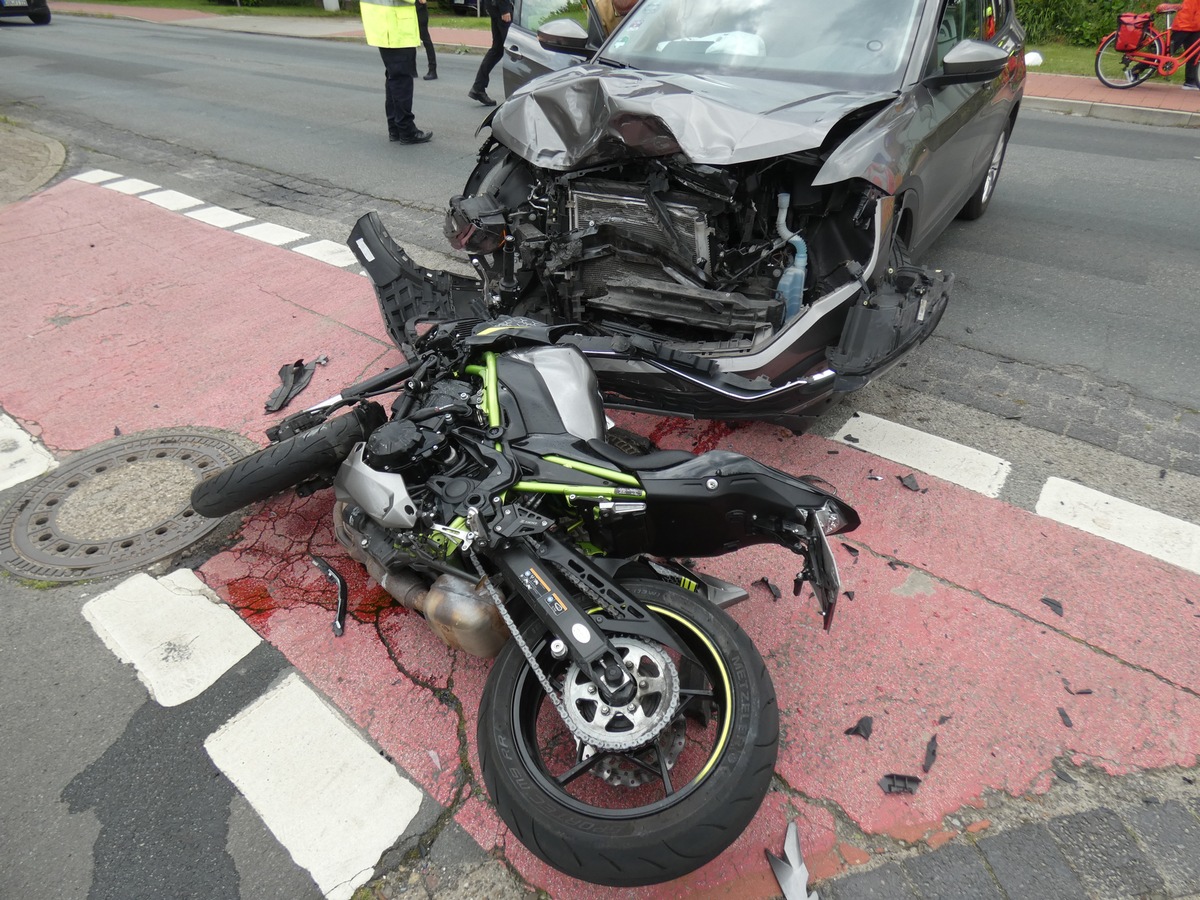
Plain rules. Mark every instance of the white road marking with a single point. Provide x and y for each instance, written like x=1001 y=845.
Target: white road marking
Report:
x=131 y=186
x=329 y=252
x=173 y=630
x=95 y=176
x=324 y=792
x=219 y=216
x=172 y=200
x=272 y=234
x=1153 y=533
x=973 y=469
x=21 y=457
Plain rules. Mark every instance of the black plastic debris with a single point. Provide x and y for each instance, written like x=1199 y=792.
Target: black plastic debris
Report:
x=831 y=452
x=896 y=565
x=1162 y=473
x=930 y=755
x=874 y=478
x=1074 y=693
x=293 y=378
x=1063 y=776
x=1188 y=779
x=1066 y=720
x=849 y=594
x=853 y=551
x=862 y=728
x=116 y=431
x=942 y=720
x=899 y=784
x=775 y=592
x=1055 y=606
x=850 y=439
x=909 y=481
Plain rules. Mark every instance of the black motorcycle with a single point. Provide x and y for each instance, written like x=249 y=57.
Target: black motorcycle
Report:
x=628 y=729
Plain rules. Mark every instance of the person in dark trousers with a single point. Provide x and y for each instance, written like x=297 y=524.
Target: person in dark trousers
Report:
x=391 y=25
x=501 y=13
x=1185 y=31
x=423 y=26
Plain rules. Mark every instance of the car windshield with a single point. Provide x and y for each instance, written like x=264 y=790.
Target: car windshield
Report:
x=859 y=43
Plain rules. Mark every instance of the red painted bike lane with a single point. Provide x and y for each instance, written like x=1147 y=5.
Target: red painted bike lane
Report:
x=138 y=317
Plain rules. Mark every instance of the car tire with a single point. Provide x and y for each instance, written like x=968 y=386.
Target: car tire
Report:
x=978 y=204
x=42 y=17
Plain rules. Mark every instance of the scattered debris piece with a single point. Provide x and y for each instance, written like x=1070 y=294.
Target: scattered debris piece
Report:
x=831 y=452
x=850 y=439
x=909 y=481
x=1055 y=606
x=930 y=755
x=293 y=378
x=896 y=565
x=849 y=594
x=1066 y=720
x=942 y=720
x=1162 y=473
x=1063 y=776
x=1150 y=801
x=775 y=592
x=874 y=478
x=1014 y=418
x=1188 y=779
x=899 y=784
x=791 y=872
x=969 y=329
x=1074 y=693
x=862 y=728
x=116 y=431
x=853 y=551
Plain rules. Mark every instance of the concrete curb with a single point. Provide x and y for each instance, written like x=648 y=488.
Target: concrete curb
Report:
x=34 y=160
x=1133 y=115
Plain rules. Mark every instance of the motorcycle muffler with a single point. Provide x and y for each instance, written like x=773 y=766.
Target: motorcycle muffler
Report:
x=460 y=613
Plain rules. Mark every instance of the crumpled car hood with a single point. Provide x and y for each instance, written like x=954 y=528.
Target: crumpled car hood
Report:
x=592 y=114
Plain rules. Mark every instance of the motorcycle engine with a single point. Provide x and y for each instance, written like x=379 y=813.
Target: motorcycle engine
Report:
x=417 y=446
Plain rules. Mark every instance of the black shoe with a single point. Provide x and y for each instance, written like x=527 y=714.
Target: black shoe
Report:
x=481 y=96
x=431 y=75
x=417 y=137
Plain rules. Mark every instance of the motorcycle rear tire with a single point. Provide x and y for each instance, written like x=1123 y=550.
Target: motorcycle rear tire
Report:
x=625 y=845
x=286 y=464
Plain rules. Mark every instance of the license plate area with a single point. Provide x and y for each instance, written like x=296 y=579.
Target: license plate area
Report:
x=826 y=582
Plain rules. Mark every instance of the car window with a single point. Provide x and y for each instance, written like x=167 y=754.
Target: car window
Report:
x=995 y=15
x=853 y=42
x=961 y=20
x=533 y=14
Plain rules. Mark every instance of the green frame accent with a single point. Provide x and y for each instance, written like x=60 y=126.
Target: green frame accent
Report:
x=588 y=469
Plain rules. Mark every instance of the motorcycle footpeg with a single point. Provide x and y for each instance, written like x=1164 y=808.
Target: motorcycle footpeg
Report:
x=343 y=594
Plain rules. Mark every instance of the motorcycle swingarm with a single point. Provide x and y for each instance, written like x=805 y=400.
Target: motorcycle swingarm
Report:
x=569 y=619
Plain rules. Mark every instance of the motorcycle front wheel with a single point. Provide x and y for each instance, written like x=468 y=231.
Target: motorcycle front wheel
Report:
x=663 y=807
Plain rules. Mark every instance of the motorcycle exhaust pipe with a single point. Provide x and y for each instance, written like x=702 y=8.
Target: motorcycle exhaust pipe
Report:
x=461 y=614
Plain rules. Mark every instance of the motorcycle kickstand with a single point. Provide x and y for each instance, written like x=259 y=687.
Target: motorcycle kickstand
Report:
x=339 y=618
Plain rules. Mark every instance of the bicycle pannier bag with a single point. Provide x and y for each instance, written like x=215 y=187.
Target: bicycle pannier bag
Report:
x=1133 y=30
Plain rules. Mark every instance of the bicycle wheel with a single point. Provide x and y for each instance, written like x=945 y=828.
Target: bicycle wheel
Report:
x=1125 y=70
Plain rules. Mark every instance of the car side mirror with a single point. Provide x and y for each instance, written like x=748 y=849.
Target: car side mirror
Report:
x=564 y=36
x=970 y=62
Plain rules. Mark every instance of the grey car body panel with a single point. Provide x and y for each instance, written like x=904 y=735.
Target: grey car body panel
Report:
x=565 y=120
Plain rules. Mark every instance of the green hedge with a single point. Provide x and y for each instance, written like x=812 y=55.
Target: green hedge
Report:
x=1082 y=22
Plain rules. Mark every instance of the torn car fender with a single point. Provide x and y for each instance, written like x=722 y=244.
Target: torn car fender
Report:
x=879 y=151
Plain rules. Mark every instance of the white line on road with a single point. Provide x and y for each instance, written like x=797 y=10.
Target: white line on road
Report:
x=21 y=457
x=172 y=200
x=324 y=792
x=95 y=176
x=957 y=463
x=329 y=252
x=268 y=233
x=1153 y=533
x=173 y=630
x=219 y=216
x=131 y=186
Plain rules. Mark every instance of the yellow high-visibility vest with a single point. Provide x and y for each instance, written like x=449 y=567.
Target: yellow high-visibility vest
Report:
x=390 y=23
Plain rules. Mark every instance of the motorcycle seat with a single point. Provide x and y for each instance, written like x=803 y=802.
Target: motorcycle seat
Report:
x=649 y=462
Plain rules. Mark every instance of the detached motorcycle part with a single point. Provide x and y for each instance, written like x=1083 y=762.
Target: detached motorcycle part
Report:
x=577 y=808
x=343 y=594
x=318 y=451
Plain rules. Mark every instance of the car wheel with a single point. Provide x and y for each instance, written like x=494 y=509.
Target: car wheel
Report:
x=978 y=204
x=42 y=17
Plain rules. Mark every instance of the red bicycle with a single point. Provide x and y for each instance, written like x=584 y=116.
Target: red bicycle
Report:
x=1137 y=50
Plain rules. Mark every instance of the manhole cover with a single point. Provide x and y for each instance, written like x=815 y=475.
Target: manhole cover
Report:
x=118 y=507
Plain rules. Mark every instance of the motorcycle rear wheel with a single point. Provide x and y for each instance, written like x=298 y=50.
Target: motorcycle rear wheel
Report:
x=286 y=464
x=591 y=822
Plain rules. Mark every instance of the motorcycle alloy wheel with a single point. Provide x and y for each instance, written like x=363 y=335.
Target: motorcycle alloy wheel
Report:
x=661 y=809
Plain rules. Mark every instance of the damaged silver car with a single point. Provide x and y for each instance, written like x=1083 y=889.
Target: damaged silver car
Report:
x=724 y=202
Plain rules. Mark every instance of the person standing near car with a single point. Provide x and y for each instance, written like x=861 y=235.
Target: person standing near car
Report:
x=426 y=40
x=391 y=25
x=1185 y=31
x=500 y=12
